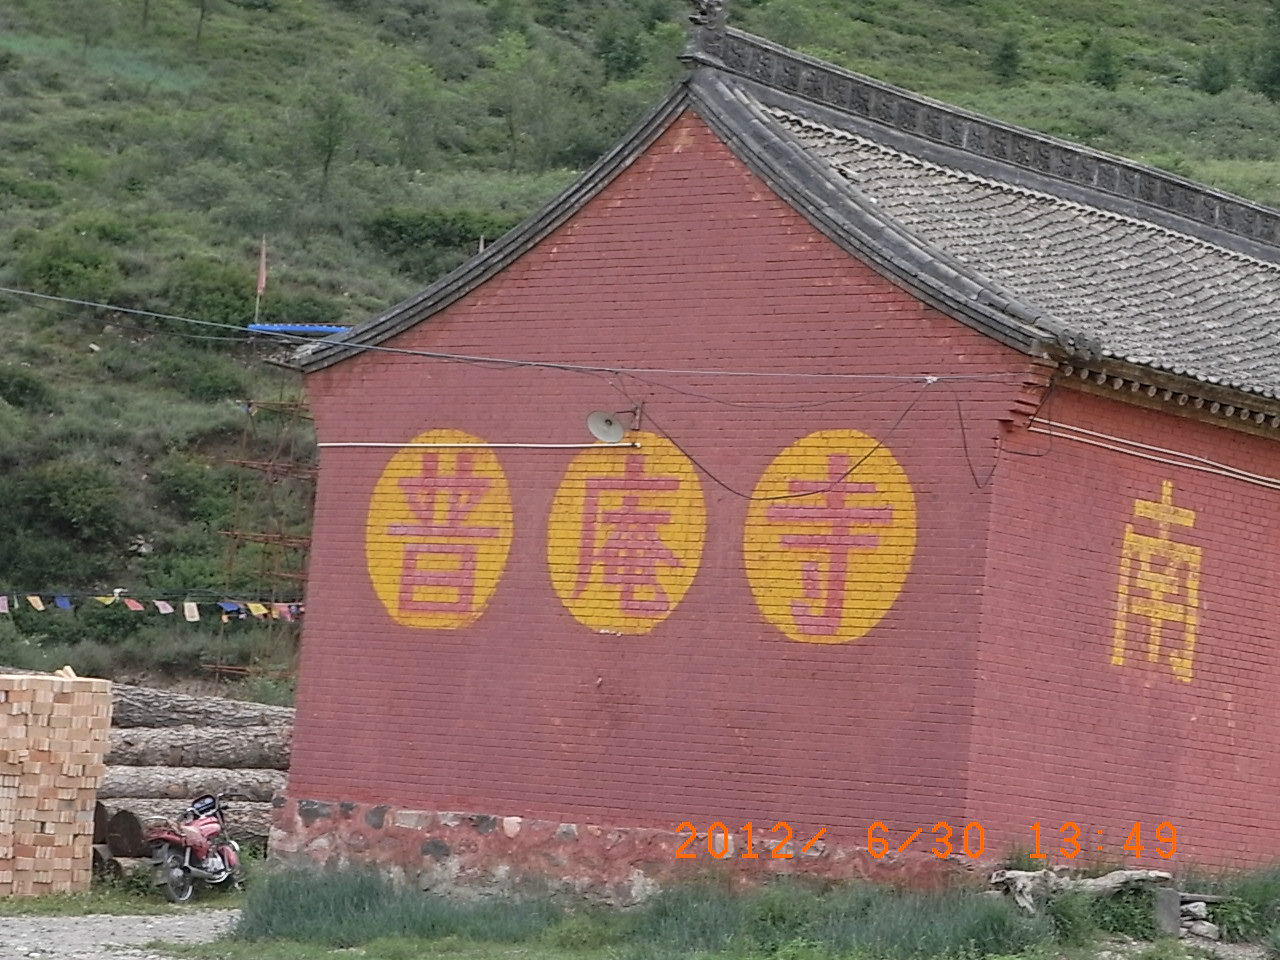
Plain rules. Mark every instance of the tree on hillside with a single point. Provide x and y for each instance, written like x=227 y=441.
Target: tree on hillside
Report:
x=1215 y=72
x=620 y=49
x=1266 y=79
x=1102 y=64
x=330 y=123
x=205 y=9
x=94 y=21
x=1006 y=62
x=510 y=90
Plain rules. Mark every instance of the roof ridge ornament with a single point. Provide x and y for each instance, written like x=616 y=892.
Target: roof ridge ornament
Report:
x=710 y=19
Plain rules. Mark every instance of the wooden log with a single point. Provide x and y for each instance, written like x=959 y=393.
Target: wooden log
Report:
x=247 y=823
x=151 y=707
x=186 y=783
x=125 y=835
x=107 y=866
x=147 y=707
x=1028 y=886
x=100 y=817
x=244 y=748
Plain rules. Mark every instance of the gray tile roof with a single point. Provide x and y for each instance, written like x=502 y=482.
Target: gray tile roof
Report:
x=1147 y=294
x=1055 y=249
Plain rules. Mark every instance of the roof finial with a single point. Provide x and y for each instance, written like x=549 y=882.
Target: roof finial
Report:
x=710 y=14
x=710 y=18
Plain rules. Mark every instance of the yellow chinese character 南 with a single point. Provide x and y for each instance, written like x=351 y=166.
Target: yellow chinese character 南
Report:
x=1159 y=585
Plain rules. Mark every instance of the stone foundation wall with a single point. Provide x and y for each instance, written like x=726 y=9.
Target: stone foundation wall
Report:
x=456 y=853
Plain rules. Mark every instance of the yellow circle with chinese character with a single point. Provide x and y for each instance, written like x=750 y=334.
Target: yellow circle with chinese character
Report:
x=626 y=533
x=830 y=536
x=438 y=531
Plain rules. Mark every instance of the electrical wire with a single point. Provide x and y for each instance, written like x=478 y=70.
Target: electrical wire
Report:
x=1186 y=461
x=880 y=443
x=509 y=361
x=964 y=444
x=124 y=326
x=118 y=325
x=763 y=404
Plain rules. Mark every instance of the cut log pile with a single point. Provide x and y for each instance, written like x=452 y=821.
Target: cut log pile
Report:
x=167 y=748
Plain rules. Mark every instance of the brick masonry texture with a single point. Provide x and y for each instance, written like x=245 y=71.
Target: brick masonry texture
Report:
x=986 y=692
x=1059 y=733
x=52 y=744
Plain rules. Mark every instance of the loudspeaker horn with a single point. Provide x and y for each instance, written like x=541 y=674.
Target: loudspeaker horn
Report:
x=604 y=426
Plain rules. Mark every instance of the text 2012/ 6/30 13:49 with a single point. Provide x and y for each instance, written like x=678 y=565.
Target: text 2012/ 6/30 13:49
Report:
x=969 y=840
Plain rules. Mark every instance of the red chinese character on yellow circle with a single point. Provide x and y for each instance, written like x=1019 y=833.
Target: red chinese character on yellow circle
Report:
x=625 y=535
x=830 y=536
x=438 y=531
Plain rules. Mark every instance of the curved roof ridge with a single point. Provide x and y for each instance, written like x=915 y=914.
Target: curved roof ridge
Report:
x=983 y=138
x=1023 y=190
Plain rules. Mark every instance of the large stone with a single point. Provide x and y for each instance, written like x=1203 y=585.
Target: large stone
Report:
x=1203 y=928
x=1166 y=911
x=1196 y=910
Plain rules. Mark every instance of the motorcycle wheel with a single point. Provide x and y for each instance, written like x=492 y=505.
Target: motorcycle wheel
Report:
x=172 y=877
x=234 y=881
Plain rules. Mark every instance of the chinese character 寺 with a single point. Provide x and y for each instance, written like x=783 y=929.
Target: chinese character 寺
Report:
x=624 y=539
x=438 y=568
x=1159 y=586
x=842 y=529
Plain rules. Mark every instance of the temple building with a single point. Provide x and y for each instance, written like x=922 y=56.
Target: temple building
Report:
x=825 y=465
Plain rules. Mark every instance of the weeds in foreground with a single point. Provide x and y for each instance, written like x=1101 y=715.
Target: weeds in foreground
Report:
x=131 y=896
x=1253 y=910
x=347 y=908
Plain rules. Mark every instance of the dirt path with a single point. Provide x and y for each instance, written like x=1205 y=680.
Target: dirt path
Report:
x=101 y=937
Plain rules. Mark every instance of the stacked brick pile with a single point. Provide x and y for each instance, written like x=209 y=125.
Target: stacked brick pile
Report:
x=54 y=736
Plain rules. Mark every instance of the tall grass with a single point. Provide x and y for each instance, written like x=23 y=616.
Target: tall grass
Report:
x=350 y=907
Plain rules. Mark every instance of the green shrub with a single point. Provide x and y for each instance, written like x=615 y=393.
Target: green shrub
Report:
x=72 y=499
x=426 y=242
x=1129 y=912
x=192 y=488
x=1271 y=943
x=1236 y=919
x=34 y=193
x=1258 y=893
x=1072 y=916
x=300 y=308
x=272 y=690
x=68 y=265
x=24 y=388
x=1006 y=62
x=1102 y=64
x=210 y=290
x=586 y=930
x=1215 y=74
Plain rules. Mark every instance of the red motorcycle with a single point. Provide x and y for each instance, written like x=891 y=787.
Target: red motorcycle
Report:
x=193 y=849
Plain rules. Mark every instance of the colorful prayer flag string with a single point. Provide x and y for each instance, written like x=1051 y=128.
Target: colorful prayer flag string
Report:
x=228 y=609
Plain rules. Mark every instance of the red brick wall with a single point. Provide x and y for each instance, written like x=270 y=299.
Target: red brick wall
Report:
x=687 y=260
x=1060 y=733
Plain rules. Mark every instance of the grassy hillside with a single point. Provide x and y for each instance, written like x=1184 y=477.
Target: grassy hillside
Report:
x=147 y=145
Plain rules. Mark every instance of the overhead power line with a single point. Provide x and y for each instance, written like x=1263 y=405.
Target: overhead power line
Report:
x=543 y=364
